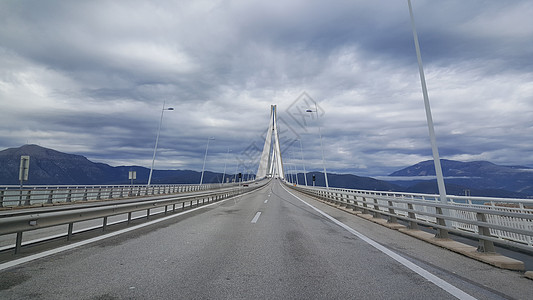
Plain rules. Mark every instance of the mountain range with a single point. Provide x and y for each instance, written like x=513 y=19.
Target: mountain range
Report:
x=48 y=166
x=479 y=178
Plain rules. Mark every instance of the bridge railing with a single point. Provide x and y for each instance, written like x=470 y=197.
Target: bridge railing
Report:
x=490 y=220
x=12 y=195
x=20 y=221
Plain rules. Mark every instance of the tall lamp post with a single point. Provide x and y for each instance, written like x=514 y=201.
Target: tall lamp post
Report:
x=303 y=161
x=156 y=141
x=205 y=157
x=225 y=161
x=321 y=145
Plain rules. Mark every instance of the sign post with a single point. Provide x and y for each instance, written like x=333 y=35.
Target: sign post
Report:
x=23 y=174
x=132 y=176
x=24 y=168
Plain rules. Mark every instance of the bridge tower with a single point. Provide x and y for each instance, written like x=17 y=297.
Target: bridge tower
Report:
x=271 y=164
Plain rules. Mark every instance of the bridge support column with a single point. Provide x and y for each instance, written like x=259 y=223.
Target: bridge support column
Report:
x=484 y=245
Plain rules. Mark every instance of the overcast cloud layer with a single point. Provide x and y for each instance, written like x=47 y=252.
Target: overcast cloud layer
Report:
x=90 y=78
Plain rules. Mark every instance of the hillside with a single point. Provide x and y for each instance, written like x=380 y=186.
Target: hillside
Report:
x=48 y=166
x=482 y=178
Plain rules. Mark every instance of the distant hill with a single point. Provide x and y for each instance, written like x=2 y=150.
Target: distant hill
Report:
x=48 y=166
x=348 y=181
x=482 y=178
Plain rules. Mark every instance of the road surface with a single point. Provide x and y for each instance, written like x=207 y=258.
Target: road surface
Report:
x=270 y=244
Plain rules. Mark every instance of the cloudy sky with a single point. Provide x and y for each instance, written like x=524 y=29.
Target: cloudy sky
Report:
x=90 y=78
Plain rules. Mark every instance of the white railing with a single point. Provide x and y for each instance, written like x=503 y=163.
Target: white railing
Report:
x=12 y=195
x=19 y=221
x=491 y=220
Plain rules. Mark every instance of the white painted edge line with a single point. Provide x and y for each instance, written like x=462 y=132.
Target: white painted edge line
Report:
x=256 y=217
x=446 y=286
x=29 y=258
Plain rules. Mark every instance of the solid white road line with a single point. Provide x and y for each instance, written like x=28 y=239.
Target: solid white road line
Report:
x=254 y=220
x=458 y=293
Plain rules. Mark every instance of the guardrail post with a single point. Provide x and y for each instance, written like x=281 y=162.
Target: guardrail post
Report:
x=377 y=214
x=99 y=195
x=2 y=198
x=392 y=218
x=104 y=224
x=18 y=243
x=28 y=198
x=365 y=206
x=85 y=195
x=412 y=224
x=110 y=194
x=69 y=234
x=121 y=192
x=441 y=233
x=69 y=195
x=50 y=197
x=484 y=245
x=129 y=217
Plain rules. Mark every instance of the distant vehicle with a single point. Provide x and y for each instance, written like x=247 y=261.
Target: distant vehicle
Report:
x=245 y=184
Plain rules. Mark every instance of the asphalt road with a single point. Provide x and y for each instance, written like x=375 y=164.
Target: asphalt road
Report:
x=265 y=245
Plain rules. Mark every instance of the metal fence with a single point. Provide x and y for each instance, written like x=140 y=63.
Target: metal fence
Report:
x=11 y=195
x=19 y=221
x=490 y=220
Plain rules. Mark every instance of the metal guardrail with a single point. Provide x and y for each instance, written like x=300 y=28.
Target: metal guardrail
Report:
x=36 y=218
x=490 y=220
x=13 y=196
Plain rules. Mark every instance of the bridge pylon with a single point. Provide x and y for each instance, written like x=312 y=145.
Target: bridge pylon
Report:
x=270 y=164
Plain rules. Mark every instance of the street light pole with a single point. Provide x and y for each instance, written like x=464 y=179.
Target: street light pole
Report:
x=321 y=146
x=433 y=140
x=205 y=157
x=303 y=161
x=225 y=161
x=156 y=141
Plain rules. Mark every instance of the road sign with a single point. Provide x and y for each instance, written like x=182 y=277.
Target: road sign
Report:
x=24 y=168
x=132 y=176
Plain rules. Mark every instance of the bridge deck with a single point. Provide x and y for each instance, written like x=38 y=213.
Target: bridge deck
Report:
x=267 y=244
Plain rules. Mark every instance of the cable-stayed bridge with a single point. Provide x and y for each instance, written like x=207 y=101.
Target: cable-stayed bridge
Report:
x=265 y=238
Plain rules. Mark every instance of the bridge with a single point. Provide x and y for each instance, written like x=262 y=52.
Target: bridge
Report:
x=263 y=238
